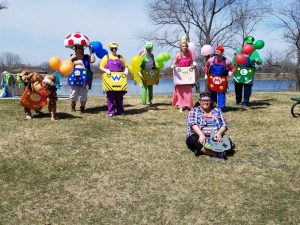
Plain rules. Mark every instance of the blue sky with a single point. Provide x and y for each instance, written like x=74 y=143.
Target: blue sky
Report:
x=36 y=29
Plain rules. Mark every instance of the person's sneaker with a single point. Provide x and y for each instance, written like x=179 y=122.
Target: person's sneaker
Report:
x=150 y=102
x=245 y=107
x=28 y=117
x=180 y=110
x=145 y=106
x=222 y=155
x=110 y=115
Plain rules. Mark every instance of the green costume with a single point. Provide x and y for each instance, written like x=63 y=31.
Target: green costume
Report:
x=147 y=65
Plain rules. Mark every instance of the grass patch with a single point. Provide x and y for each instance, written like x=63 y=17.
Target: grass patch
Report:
x=136 y=169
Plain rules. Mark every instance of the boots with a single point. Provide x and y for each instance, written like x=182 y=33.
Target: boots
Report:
x=82 y=109
x=73 y=106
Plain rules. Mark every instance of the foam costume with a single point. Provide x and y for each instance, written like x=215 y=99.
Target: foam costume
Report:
x=82 y=76
x=244 y=75
x=217 y=77
x=149 y=72
x=7 y=83
x=36 y=93
x=115 y=67
x=182 y=96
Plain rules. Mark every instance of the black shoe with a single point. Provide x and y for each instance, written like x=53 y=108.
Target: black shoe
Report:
x=82 y=109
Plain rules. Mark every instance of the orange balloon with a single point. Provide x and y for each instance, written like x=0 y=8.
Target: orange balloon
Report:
x=54 y=62
x=66 y=67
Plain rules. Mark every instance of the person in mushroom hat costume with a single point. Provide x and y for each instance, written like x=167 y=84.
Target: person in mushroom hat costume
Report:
x=114 y=63
x=81 y=77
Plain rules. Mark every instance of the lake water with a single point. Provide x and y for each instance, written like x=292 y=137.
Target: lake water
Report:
x=167 y=86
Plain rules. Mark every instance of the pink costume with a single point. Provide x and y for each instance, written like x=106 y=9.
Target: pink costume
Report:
x=182 y=96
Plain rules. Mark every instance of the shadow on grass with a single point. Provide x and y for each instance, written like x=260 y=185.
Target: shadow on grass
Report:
x=264 y=103
x=96 y=109
x=59 y=116
x=135 y=111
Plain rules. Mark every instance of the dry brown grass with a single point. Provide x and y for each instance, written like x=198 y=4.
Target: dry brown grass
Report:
x=136 y=169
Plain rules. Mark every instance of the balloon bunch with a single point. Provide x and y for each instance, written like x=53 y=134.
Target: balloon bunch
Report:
x=192 y=48
x=135 y=67
x=161 y=58
x=98 y=49
x=247 y=49
x=65 y=67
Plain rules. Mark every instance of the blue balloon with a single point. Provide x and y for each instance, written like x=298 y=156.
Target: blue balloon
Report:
x=102 y=53
x=96 y=46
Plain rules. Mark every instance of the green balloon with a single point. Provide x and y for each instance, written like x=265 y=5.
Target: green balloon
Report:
x=167 y=56
x=160 y=58
x=159 y=65
x=259 y=44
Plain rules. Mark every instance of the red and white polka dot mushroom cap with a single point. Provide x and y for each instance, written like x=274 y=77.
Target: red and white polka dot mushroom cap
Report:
x=76 y=39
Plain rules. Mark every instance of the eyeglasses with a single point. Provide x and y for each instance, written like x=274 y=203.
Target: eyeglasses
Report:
x=113 y=49
x=204 y=100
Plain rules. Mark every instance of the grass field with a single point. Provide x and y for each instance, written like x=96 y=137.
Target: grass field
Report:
x=136 y=169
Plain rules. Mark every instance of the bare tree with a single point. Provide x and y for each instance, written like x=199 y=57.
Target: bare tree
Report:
x=289 y=21
x=203 y=21
x=9 y=60
x=3 y=5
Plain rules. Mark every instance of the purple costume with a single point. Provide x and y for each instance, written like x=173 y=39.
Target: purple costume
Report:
x=115 y=98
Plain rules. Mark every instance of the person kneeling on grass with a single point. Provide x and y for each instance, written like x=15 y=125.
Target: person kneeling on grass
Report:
x=201 y=121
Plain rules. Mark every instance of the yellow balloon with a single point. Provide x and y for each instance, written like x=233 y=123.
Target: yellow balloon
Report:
x=134 y=70
x=137 y=78
x=54 y=62
x=66 y=67
x=136 y=61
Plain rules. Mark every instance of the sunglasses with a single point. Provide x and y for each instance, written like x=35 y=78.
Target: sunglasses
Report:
x=204 y=100
x=113 y=49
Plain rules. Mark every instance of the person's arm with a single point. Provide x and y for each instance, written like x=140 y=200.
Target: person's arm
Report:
x=230 y=67
x=103 y=65
x=256 y=58
x=175 y=61
x=223 y=127
x=193 y=122
x=206 y=67
x=92 y=57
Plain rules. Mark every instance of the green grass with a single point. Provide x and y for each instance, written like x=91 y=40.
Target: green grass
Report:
x=136 y=169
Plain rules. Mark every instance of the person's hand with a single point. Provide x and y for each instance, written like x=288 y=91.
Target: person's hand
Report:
x=173 y=66
x=126 y=71
x=194 y=64
x=205 y=76
x=202 y=139
x=230 y=74
x=218 y=137
x=107 y=71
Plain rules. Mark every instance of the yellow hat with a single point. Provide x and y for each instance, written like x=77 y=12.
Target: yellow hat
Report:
x=113 y=45
x=183 y=39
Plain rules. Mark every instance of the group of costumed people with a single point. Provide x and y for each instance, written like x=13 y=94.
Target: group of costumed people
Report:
x=206 y=122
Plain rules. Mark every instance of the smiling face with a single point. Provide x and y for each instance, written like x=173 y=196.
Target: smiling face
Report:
x=184 y=47
x=205 y=103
